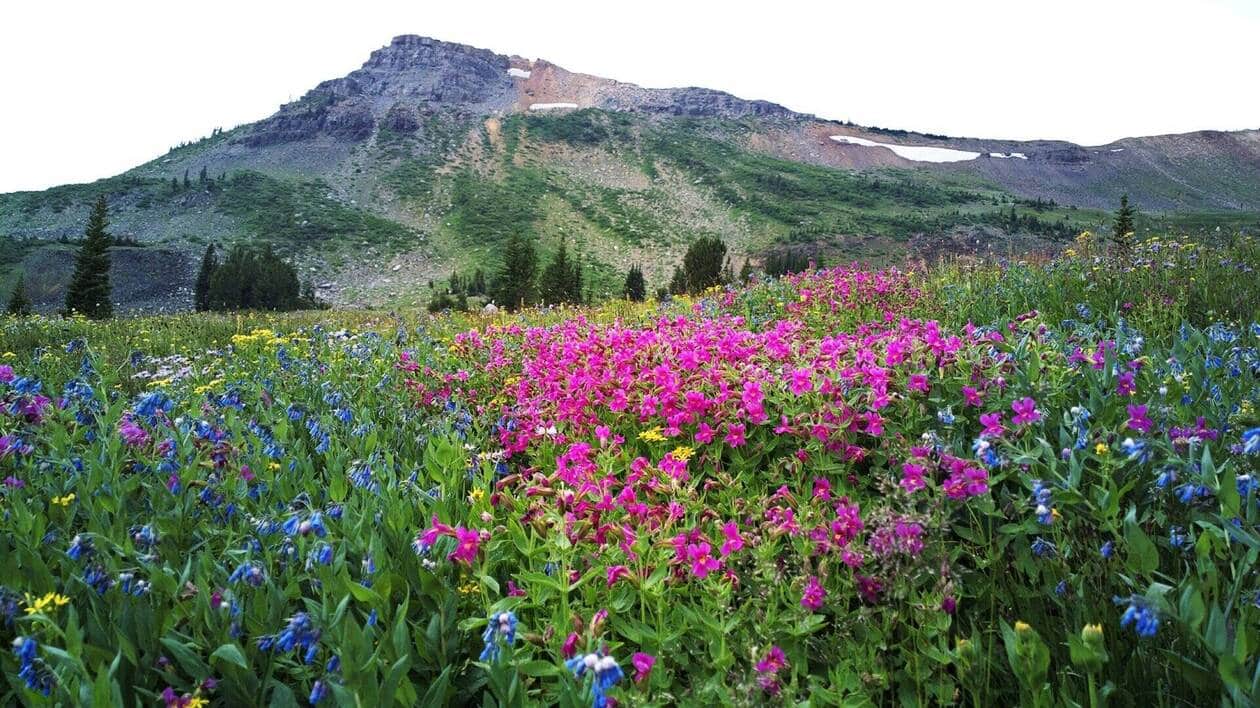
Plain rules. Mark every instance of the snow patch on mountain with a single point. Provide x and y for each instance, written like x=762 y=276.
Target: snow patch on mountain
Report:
x=918 y=153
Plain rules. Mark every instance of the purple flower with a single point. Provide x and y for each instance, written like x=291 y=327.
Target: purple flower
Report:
x=812 y=598
x=1138 y=420
x=1025 y=411
x=643 y=664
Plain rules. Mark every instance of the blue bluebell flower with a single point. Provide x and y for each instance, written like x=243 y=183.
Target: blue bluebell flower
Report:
x=80 y=546
x=1251 y=441
x=1177 y=537
x=607 y=672
x=501 y=629
x=1043 y=548
x=1108 y=549
x=250 y=572
x=1135 y=450
x=1141 y=615
x=1043 y=502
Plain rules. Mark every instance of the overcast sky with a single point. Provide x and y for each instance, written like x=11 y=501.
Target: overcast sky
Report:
x=89 y=89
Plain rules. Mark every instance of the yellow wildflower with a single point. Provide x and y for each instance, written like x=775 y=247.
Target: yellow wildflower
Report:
x=1022 y=626
x=652 y=435
x=63 y=501
x=1100 y=449
x=683 y=453
x=476 y=495
x=51 y=600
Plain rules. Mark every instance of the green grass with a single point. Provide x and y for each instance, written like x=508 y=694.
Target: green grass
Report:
x=300 y=214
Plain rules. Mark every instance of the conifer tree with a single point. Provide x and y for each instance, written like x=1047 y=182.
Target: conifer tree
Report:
x=556 y=280
x=1122 y=232
x=201 y=291
x=514 y=287
x=702 y=265
x=89 y=292
x=678 y=283
x=19 y=304
x=636 y=287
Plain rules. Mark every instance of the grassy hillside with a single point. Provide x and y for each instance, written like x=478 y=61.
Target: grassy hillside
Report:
x=380 y=221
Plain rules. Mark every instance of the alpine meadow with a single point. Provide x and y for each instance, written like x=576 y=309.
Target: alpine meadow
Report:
x=469 y=380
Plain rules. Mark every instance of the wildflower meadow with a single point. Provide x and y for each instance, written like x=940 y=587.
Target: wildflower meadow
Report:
x=977 y=483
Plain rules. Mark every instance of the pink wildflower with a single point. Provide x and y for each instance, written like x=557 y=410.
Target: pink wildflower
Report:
x=812 y=598
x=1138 y=419
x=1025 y=411
x=643 y=664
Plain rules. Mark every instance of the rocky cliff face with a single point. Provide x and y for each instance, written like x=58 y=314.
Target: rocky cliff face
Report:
x=398 y=82
x=415 y=75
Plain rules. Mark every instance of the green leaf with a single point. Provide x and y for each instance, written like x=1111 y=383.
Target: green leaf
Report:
x=1142 y=557
x=231 y=654
x=186 y=657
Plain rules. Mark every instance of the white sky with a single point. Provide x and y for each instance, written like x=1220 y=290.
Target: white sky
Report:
x=89 y=89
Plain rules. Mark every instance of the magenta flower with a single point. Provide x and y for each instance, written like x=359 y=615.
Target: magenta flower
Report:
x=812 y=597
x=912 y=477
x=822 y=488
x=6 y=373
x=704 y=434
x=643 y=664
x=768 y=670
x=992 y=423
x=1138 y=419
x=734 y=435
x=1025 y=411
x=734 y=541
x=919 y=382
x=615 y=573
x=972 y=397
x=570 y=645
x=800 y=382
x=1124 y=384
x=468 y=542
x=132 y=434
x=702 y=563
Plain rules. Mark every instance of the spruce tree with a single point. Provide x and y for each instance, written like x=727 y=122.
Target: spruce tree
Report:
x=678 y=283
x=555 y=283
x=702 y=265
x=574 y=282
x=201 y=291
x=636 y=287
x=1122 y=232
x=514 y=288
x=89 y=292
x=19 y=304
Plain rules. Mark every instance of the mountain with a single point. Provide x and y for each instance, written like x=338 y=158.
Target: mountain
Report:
x=383 y=183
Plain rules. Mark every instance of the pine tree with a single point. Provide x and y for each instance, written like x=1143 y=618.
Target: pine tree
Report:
x=574 y=282
x=514 y=287
x=702 y=265
x=678 y=283
x=19 y=304
x=89 y=291
x=1122 y=232
x=556 y=283
x=201 y=291
x=745 y=271
x=254 y=279
x=202 y=177
x=636 y=287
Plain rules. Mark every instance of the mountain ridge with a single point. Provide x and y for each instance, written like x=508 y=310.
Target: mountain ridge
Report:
x=373 y=181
